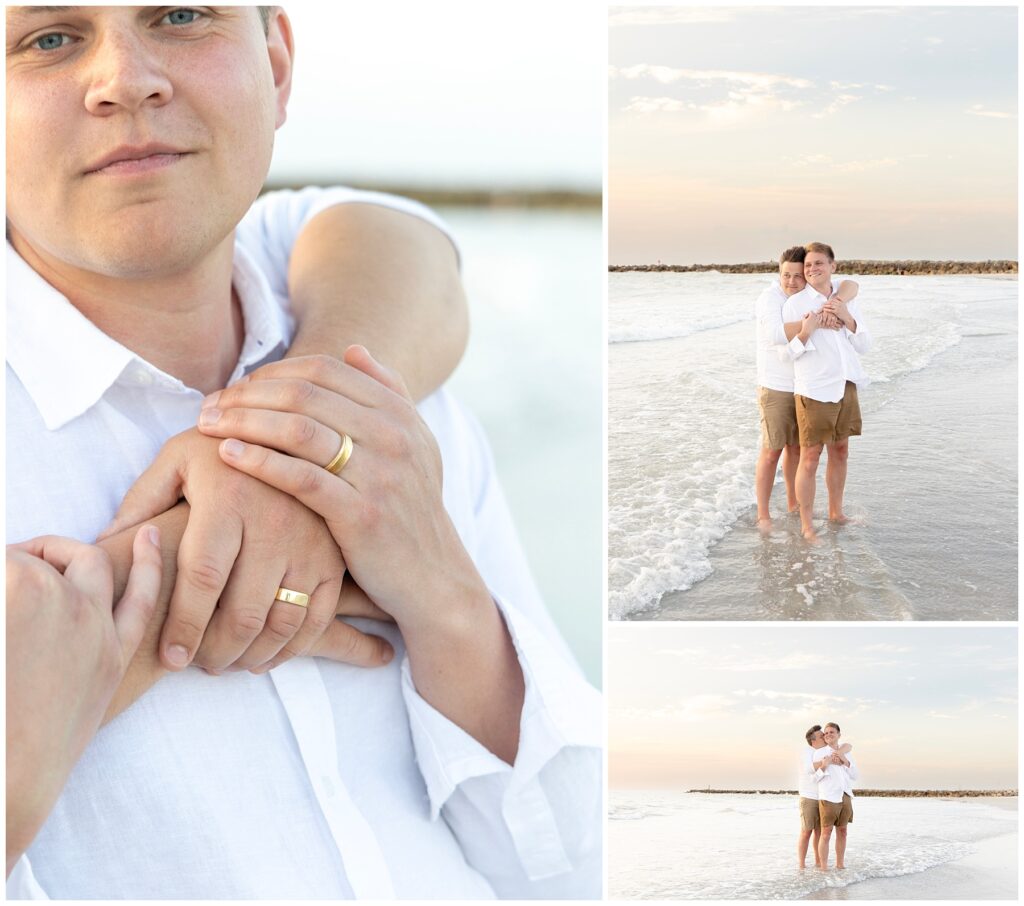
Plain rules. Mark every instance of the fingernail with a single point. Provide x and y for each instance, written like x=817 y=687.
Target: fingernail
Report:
x=154 y=536
x=211 y=400
x=177 y=655
x=209 y=416
x=232 y=448
x=388 y=654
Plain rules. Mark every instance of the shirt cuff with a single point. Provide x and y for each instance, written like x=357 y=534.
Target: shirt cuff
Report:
x=560 y=709
x=22 y=884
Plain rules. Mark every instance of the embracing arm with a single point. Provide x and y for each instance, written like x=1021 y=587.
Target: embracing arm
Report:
x=356 y=271
x=367 y=274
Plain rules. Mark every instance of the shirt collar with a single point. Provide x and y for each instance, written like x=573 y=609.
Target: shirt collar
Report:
x=66 y=363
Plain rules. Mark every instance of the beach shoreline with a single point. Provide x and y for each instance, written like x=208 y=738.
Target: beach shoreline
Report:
x=990 y=873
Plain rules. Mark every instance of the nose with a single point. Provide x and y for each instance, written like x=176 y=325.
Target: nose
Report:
x=125 y=74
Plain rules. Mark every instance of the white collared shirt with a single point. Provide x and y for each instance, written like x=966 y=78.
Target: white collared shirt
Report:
x=838 y=778
x=821 y=374
x=806 y=779
x=775 y=354
x=318 y=780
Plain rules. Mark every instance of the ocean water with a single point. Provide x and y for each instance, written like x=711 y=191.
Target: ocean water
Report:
x=932 y=481
x=532 y=375
x=669 y=845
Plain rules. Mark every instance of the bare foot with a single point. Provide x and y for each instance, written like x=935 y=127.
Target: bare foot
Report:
x=839 y=867
x=764 y=526
x=811 y=536
x=843 y=519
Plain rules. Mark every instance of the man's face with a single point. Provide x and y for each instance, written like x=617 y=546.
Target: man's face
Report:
x=791 y=276
x=818 y=269
x=137 y=137
x=818 y=740
x=831 y=736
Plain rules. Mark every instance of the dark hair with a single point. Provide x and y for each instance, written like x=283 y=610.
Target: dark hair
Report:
x=834 y=725
x=795 y=254
x=809 y=735
x=264 y=12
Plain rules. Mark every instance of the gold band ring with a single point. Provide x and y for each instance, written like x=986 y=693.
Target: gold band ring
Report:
x=338 y=463
x=292 y=597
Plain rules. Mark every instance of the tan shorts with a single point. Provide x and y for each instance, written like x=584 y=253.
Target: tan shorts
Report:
x=836 y=814
x=778 y=419
x=828 y=423
x=810 y=816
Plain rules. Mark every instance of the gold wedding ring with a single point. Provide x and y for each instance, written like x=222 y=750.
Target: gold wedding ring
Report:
x=338 y=463
x=292 y=597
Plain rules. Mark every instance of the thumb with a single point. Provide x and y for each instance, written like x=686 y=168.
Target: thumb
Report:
x=359 y=357
x=155 y=491
x=135 y=609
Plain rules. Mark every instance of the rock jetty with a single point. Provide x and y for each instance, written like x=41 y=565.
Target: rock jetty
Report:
x=846 y=266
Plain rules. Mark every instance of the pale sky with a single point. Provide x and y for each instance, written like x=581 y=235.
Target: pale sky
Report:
x=727 y=706
x=887 y=132
x=451 y=93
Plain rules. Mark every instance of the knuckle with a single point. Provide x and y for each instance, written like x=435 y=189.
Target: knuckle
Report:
x=297 y=393
x=301 y=431
x=284 y=623
x=311 y=481
x=187 y=626
x=317 y=623
x=324 y=367
x=204 y=575
x=244 y=625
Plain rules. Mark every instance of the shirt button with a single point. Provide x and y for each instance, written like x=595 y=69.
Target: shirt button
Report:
x=144 y=378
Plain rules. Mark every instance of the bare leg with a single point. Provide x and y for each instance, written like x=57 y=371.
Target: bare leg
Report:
x=826 y=832
x=817 y=840
x=764 y=479
x=835 y=479
x=840 y=847
x=790 y=462
x=806 y=478
x=801 y=848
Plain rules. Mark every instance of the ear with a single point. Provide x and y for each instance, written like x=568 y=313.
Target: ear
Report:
x=281 y=50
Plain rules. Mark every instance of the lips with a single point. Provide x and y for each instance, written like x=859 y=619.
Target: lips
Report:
x=136 y=159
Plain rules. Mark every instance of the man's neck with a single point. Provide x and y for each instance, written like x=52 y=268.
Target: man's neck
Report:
x=187 y=324
x=823 y=286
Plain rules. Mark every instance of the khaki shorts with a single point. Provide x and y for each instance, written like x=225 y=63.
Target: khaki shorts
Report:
x=810 y=816
x=778 y=419
x=836 y=814
x=828 y=423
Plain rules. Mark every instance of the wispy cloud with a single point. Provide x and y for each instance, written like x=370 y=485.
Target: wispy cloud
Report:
x=838 y=103
x=642 y=105
x=761 y=81
x=979 y=110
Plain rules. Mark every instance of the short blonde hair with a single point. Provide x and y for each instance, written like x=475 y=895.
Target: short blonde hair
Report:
x=820 y=247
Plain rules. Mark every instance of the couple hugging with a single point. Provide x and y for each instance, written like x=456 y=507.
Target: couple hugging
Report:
x=825 y=783
x=809 y=333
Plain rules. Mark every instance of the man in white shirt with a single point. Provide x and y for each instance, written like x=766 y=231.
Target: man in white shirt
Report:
x=807 y=790
x=835 y=793
x=317 y=779
x=825 y=381
x=779 y=429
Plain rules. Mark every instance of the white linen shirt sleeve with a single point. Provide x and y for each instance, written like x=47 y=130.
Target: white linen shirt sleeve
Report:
x=273 y=224
x=860 y=339
x=532 y=829
x=22 y=884
x=772 y=327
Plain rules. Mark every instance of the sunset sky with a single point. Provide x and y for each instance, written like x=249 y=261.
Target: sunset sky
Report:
x=727 y=707
x=887 y=132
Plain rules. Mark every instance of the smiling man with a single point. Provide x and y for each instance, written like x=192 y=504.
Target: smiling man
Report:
x=141 y=277
x=826 y=380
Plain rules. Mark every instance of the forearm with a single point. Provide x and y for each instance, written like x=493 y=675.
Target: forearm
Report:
x=466 y=667
x=366 y=274
x=847 y=291
x=145 y=668
x=792 y=328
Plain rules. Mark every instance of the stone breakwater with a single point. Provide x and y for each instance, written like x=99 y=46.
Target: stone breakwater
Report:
x=936 y=794
x=845 y=266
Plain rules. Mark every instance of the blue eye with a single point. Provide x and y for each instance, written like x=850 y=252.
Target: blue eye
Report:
x=182 y=16
x=51 y=41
